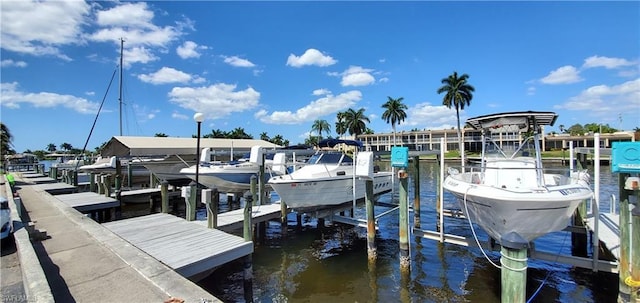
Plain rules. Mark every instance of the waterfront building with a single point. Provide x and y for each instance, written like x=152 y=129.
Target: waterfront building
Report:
x=430 y=140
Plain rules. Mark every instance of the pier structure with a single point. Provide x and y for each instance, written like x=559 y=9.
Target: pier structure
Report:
x=58 y=247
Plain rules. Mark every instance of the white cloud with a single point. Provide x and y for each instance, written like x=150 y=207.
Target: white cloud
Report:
x=38 y=28
x=189 y=49
x=238 y=62
x=357 y=76
x=12 y=97
x=427 y=116
x=138 y=54
x=215 y=101
x=180 y=116
x=321 y=92
x=126 y=14
x=310 y=57
x=326 y=105
x=166 y=75
x=606 y=62
x=563 y=75
x=607 y=101
x=11 y=63
x=531 y=90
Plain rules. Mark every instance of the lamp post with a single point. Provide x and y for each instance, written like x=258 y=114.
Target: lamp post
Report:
x=198 y=117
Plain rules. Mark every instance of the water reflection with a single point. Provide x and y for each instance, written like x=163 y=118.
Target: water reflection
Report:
x=307 y=264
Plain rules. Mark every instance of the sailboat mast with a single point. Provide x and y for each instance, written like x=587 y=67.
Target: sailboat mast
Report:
x=120 y=89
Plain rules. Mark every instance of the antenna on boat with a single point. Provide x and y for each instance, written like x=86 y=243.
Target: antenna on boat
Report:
x=120 y=89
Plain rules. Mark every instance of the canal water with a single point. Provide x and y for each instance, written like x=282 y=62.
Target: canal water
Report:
x=308 y=264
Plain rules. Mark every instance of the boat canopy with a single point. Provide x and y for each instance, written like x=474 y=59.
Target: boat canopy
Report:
x=334 y=142
x=512 y=121
x=124 y=146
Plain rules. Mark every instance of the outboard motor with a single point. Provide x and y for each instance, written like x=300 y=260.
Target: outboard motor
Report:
x=279 y=164
x=256 y=155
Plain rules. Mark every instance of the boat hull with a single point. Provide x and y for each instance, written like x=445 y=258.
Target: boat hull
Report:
x=223 y=177
x=323 y=192
x=530 y=213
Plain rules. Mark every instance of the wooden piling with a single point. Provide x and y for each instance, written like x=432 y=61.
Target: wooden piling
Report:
x=164 y=196
x=438 y=195
x=416 y=191
x=247 y=232
x=92 y=182
x=207 y=195
x=129 y=172
x=372 y=251
x=513 y=274
x=190 y=213
x=405 y=258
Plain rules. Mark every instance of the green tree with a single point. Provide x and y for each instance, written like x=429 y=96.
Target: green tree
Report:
x=51 y=147
x=6 y=141
x=265 y=137
x=356 y=121
x=576 y=130
x=321 y=126
x=163 y=135
x=394 y=113
x=458 y=94
x=239 y=133
x=66 y=146
x=341 y=125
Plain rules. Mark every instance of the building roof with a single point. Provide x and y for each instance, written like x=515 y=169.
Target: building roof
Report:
x=123 y=146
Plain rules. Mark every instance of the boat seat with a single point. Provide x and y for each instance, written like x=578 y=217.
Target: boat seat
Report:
x=511 y=174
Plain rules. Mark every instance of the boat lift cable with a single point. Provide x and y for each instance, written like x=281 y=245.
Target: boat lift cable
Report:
x=544 y=281
x=97 y=114
x=473 y=231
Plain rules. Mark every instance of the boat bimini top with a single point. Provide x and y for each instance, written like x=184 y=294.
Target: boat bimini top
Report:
x=506 y=122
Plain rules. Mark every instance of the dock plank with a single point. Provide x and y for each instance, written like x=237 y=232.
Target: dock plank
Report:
x=234 y=220
x=87 y=201
x=55 y=188
x=186 y=247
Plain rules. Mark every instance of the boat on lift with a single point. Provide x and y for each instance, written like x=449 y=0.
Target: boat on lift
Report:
x=327 y=179
x=510 y=192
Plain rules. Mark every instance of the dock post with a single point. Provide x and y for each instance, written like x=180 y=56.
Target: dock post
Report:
x=629 y=262
x=191 y=201
x=416 y=191
x=129 y=172
x=206 y=200
x=253 y=188
x=92 y=182
x=107 y=186
x=247 y=232
x=214 y=207
x=164 y=195
x=372 y=251
x=405 y=258
x=283 y=216
x=75 y=178
x=514 y=268
x=100 y=179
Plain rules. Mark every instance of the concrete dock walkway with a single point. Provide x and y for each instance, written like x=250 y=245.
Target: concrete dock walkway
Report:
x=85 y=262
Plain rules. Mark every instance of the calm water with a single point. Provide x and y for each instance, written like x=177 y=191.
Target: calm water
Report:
x=330 y=265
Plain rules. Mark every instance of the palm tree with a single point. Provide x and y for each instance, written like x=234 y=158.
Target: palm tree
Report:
x=321 y=126
x=5 y=139
x=51 y=147
x=458 y=95
x=161 y=135
x=394 y=112
x=66 y=146
x=264 y=136
x=355 y=121
x=341 y=126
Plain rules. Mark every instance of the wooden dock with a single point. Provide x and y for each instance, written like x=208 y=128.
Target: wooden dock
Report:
x=188 y=248
x=234 y=220
x=87 y=201
x=608 y=231
x=55 y=188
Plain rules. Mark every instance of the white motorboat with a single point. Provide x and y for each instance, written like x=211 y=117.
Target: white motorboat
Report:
x=510 y=193
x=72 y=164
x=234 y=176
x=139 y=174
x=327 y=180
x=168 y=168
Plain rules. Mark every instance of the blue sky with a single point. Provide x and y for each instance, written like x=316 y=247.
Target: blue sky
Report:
x=275 y=67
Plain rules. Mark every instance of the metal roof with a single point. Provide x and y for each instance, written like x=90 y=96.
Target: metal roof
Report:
x=523 y=120
x=124 y=146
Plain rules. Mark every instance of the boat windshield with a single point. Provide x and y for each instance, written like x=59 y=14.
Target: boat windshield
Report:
x=330 y=158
